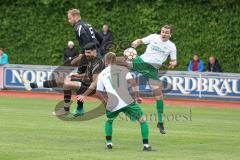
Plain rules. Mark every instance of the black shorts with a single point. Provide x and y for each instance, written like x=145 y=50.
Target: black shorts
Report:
x=84 y=86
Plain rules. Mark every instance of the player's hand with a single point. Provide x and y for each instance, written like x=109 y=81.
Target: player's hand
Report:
x=134 y=45
x=72 y=62
x=138 y=99
x=81 y=98
x=125 y=58
x=172 y=64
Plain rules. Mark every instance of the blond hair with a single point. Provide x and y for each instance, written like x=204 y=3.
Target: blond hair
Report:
x=168 y=27
x=74 y=12
x=110 y=58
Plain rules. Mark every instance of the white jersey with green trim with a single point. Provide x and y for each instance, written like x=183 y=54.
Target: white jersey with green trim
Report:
x=157 y=51
x=113 y=81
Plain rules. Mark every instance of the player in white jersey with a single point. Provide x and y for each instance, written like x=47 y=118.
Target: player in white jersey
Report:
x=112 y=89
x=159 y=47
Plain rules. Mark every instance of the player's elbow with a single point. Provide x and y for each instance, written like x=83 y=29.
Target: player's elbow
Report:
x=132 y=82
x=99 y=94
x=135 y=88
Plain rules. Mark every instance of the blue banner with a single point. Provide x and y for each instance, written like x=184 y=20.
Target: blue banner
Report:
x=13 y=74
x=177 y=84
x=1 y=77
x=201 y=85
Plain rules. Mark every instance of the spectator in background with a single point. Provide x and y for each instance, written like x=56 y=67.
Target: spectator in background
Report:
x=107 y=39
x=70 y=53
x=3 y=57
x=196 y=65
x=213 y=65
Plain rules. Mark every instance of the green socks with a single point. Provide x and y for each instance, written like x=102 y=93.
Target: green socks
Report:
x=160 y=107
x=144 y=130
x=108 y=131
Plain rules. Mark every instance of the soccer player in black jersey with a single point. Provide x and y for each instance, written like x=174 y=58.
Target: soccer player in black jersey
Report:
x=85 y=34
x=84 y=84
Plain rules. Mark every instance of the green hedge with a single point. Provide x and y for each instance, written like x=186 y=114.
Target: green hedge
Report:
x=36 y=32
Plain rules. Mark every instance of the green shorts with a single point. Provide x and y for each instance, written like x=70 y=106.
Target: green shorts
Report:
x=133 y=111
x=146 y=69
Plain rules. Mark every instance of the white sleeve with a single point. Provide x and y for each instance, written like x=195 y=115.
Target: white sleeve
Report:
x=129 y=76
x=100 y=85
x=173 y=54
x=148 y=39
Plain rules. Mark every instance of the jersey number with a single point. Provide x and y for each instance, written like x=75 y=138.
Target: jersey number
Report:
x=92 y=33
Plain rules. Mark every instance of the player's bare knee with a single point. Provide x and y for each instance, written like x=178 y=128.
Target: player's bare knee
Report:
x=155 y=87
x=159 y=97
x=66 y=83
x=158 y=94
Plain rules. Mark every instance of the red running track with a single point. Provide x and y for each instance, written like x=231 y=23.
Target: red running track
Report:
x=167 y=101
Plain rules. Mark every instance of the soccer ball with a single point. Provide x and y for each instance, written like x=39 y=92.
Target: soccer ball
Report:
x=130 y=53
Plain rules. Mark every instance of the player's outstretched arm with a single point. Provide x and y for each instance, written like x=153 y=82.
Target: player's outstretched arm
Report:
x=136 y=43
x=90 y=89
x=77 y=59
x=76 y=75
x=101 y=96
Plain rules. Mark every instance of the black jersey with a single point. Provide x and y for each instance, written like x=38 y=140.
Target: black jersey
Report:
x=94 y=66
x=85 y=34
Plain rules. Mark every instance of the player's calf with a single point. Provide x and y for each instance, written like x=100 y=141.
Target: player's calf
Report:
x=45 y=84
x=108 y=133
x=66 y=108
x=157 y=91
x=144 y=132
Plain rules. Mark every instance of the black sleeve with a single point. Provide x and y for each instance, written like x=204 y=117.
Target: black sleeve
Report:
x=84 y=36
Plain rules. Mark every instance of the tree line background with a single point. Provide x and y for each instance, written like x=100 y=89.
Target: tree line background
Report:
x=36 y=32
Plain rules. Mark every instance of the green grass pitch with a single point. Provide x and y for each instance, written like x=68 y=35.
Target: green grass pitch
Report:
x=28 y=131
